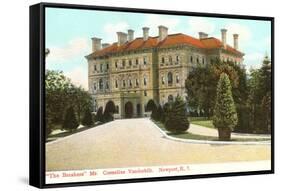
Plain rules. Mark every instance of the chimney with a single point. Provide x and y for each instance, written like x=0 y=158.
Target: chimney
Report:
x=203 y=35
x=163 y=32
x=96 y=44
x=122 y=38
x=235 y=41
x=104 y=45
x=223 y=37
x=130 y=35
x=145 y=33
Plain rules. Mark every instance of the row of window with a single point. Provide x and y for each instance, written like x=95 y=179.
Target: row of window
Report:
x=121 y=63
x=170 y=79
x=169 y=60
x=130 y=62
x=129 y=83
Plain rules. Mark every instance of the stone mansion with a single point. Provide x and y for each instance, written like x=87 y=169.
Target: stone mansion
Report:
x=132 y=70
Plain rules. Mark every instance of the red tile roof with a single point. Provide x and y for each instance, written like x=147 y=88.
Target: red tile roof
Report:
x=171 y=40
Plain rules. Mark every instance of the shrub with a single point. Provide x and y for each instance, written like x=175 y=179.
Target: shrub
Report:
x=176 y=117
x=87 y=118
x=70 y=122
x=109 y=110
x=158 y=114
x=99 y=116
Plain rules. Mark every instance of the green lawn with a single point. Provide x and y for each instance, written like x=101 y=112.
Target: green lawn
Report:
x=190 y=136
x=205 y=123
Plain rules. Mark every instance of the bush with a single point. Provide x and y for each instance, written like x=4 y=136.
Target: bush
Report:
x=176 y=116
x=87 y=118
x=159 y=114
x=99 y=116
x=70 y=122
x=109 y=110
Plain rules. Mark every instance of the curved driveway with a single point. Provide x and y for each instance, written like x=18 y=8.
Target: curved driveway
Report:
x=137 y=142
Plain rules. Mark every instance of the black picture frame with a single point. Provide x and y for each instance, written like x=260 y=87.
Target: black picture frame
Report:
x=37 y=95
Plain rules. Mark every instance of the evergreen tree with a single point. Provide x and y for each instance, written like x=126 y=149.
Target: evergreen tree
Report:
x=225 y=115
x=87 y=118
x=109 y=110
x=70 y=122
x=99 y=116
x=160 y=114
x=176 y=118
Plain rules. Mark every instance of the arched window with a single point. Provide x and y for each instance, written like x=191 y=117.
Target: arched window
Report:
x=137 y=82
x=116 y=84
x=170 y=98
x=137 y=61
x=144 y=80
x=124 y=83
x=130 y=83
x=170 y=78
x=177 y=59
x=116 y=64
x=100 y=84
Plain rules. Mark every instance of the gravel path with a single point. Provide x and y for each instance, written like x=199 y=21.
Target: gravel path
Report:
x=199 y=130
x=136 y=142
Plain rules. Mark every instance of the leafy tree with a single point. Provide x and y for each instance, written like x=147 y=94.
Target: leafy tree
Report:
x=200 y=86
x=56 y=88
x=99 y=116
x=225 y=115
x=87 y=118
x=70 y=122
x=109 y=110
x=81 y=100
x=176 y=118
x=61 y=94
x=151 y=105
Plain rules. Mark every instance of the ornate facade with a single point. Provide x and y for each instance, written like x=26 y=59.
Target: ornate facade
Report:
x=132 y=71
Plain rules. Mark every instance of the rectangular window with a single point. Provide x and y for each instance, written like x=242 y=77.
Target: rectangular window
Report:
x=144 y=61
x=116 y=64
x=137 y=61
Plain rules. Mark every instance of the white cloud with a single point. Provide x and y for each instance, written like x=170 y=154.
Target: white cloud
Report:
x=110 y=30
x=79 y=77
x=70 y=50
x=253 y=60
x=197 y=24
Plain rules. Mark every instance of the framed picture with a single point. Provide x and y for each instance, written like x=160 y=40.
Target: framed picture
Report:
x=121 y=95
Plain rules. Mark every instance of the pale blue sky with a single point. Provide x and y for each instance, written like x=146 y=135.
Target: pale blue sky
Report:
x=69 y=33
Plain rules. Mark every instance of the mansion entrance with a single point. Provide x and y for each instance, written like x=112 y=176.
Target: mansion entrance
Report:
x=129 y=110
